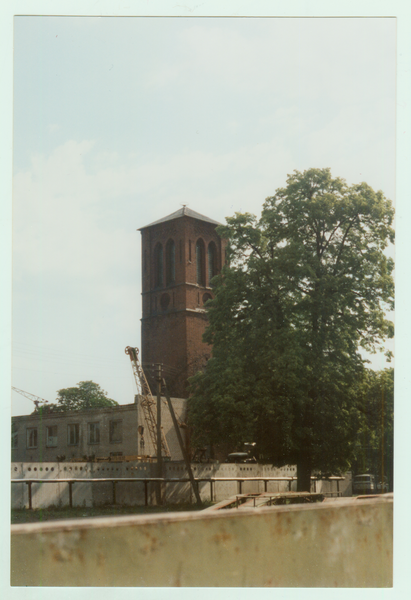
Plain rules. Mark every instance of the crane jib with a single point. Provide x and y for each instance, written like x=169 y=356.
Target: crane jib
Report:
x=147 y=402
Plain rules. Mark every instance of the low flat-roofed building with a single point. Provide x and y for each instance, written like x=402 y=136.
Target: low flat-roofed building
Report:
x=100 y=432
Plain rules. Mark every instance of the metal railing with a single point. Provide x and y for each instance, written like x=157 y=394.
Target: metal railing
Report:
x=146 y=480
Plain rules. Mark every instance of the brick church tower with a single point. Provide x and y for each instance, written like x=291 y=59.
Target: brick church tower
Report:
x=181 y=253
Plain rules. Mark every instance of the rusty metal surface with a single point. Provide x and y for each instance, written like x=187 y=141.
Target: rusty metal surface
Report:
x=340 y=543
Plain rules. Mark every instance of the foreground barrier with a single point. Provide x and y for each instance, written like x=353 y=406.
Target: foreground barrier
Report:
x=337 y=543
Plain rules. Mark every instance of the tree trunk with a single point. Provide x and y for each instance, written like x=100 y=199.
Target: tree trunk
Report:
x=304 y=474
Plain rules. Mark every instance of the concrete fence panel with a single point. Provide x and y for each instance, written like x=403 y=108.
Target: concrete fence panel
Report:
x=340 y=543
x=179 y=493
x=131 y=494
x=81 y=492
x=19 y=493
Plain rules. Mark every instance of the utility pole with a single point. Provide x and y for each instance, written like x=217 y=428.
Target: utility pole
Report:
x=182 y=447
x=159 y=379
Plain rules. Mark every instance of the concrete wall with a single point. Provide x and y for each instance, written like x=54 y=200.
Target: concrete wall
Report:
x=87 y=494
x=342 y=543
x=179 y=405
x=131 y=494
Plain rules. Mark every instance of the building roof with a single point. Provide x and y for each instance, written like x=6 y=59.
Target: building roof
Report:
x=65 y=414
x=182 y=212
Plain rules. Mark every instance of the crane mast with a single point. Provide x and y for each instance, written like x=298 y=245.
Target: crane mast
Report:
x=147 y=402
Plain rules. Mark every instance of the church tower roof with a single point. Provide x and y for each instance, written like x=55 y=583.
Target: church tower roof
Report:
x=182 y=212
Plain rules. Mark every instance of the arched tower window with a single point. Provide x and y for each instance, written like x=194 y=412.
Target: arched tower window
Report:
x=200 y=255
x=212 y=261
x=170 y=262
x=158 y=265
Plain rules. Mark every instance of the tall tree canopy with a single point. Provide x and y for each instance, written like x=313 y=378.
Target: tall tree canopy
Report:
x=87 y=394
x=306 y=288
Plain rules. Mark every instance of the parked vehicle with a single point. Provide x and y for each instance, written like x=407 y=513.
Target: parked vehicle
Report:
x=240 y=457
x=382 y=486
x=364 y=484
x=247 y=456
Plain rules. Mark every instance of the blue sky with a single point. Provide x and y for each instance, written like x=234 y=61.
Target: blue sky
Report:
x=119 y=121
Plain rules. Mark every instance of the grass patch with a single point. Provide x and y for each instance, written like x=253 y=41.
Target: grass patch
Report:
x=54 y=513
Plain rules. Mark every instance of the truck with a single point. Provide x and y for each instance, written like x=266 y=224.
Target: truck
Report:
x=364 y=484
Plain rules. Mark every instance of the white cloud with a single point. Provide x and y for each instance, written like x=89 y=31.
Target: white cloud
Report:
x=76 y=211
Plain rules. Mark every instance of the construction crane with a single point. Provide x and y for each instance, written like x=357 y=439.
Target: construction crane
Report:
x=36 y=399
x=147 y=402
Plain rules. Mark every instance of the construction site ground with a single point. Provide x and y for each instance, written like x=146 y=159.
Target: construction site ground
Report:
x=239 y=501
x=78 y=512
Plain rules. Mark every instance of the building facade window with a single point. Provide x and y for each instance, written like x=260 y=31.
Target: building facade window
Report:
x=116 y=431
x=51 y=436
x=158 y=265
x=73 y=434
x=14 y=436
x=32 y=437
x=93 y=433
x=212 y=261
x=170 y=262
x=200 y=262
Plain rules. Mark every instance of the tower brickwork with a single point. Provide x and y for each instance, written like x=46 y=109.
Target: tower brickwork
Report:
x=180 y=255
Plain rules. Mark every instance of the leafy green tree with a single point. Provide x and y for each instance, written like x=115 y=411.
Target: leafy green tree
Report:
x=375 y=441
x=306 y=288
x=86 y=395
